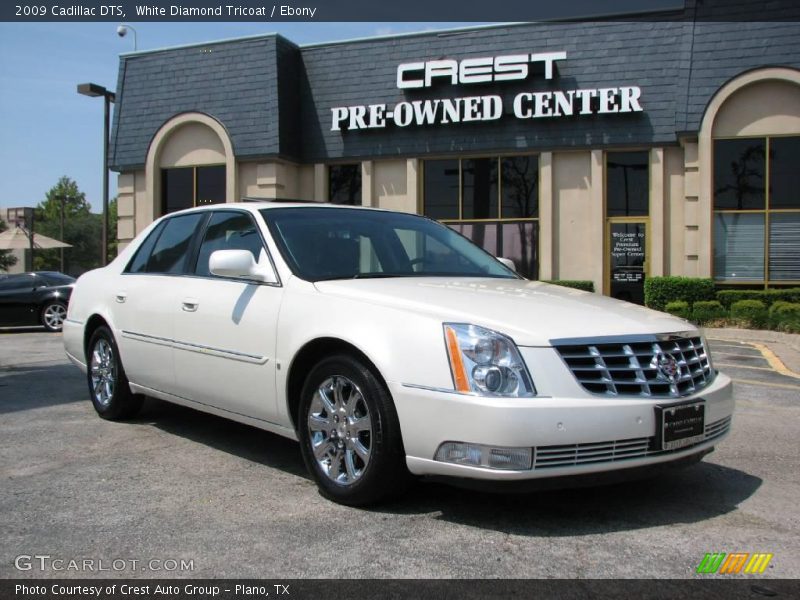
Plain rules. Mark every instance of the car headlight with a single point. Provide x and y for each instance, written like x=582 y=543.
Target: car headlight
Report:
x=485 y=362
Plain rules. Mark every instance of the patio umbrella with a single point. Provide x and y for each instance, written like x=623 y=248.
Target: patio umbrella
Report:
x=17 y=238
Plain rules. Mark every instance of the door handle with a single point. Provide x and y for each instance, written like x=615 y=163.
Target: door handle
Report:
x=190 y=304
x=121 y=297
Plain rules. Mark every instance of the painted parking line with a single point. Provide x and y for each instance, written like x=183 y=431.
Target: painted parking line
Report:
x=775 y=363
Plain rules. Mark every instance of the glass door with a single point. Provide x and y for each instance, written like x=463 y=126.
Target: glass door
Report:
x=627 y=258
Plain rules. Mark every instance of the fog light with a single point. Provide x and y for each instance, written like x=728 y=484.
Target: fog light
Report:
x=478 y=455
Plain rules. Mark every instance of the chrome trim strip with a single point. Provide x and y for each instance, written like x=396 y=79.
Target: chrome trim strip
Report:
x=436 y=389
x=628 y=339
x=73 y=321
x=199 y=348
x=428 y=388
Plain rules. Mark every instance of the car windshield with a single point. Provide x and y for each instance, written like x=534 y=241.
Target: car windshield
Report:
x=340 y=243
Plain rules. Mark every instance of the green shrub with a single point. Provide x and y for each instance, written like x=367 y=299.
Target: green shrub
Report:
x=660 y=290
x=768 y=297
x=704 y=311
x=751 y=312
x=679 y=308
x=578 y=284
x=785 y=316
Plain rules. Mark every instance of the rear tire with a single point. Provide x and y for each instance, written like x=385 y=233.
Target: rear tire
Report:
x=108 y=385
x=350 y=434
x=53 y=315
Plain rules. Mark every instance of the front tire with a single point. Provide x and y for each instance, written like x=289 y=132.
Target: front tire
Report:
x=53 y=315
x=350 y=434
x=108 y=385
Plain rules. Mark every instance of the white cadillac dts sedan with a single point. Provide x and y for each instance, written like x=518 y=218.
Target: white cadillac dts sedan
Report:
x=388 y=345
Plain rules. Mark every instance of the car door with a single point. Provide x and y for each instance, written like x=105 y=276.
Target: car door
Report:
x=145 y=297
x=225 y=328
x=16 y=300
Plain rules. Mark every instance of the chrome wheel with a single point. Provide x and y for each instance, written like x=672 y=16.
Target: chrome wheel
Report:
x=340 y=430
x=54 y=315
x=103 y=371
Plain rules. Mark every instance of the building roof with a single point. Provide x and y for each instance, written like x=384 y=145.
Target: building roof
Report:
x=274 y=98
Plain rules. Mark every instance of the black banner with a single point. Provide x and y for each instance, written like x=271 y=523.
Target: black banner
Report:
x=320 y=10
x=315 y=589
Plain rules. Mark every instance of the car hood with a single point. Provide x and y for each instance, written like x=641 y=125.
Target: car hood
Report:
x=532 y=313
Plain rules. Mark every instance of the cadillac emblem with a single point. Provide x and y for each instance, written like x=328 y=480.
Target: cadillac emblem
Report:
x=666 y=367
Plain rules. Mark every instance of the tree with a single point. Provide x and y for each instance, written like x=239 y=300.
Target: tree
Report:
x=75 y=204
x=113 y=218
x=7 y=260
x=82 y=229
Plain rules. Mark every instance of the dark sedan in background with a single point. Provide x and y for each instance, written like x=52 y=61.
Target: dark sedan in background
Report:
x=39 y=298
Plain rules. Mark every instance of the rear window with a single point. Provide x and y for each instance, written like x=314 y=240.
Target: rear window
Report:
x=167 y=248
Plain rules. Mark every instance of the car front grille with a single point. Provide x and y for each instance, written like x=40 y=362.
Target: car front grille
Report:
x=663 y=366
x=570 y=455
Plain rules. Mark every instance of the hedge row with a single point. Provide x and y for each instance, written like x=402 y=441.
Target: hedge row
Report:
x=768 y=297
x=658 y=291
x=578 y=284
x=783 y=316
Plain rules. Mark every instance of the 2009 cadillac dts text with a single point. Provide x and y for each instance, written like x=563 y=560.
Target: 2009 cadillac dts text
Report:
x=389 y=345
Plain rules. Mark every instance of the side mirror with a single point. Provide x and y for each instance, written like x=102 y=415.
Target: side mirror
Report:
x=509 y=263
x=239 y=264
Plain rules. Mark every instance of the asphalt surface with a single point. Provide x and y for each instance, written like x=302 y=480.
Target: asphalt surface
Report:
x=176 y=484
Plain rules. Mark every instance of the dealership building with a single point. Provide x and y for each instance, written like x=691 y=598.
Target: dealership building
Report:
x=609 y=150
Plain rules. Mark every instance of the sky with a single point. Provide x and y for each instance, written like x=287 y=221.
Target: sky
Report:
x=48 y=130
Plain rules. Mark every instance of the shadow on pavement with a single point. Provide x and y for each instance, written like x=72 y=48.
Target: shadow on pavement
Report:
x=228 y=436
x=685 y=496
x=39 y=386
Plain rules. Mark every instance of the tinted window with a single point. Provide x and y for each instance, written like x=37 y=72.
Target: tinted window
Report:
x=479 y=188
x=170 y=251
x=228 y=231
x=520 y=187
x=739 y=168
x=628 y=184
x=210 y=185
x=441 y=189
x=784 y=172
x=16 y=282
x=344 y=184
x=139 y=262
x=56 y=278
x=177 y=189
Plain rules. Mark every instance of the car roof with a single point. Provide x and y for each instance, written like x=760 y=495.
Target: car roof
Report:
x=257 y=204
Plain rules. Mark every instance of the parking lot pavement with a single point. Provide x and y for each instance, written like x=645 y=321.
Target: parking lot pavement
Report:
x=176 y=484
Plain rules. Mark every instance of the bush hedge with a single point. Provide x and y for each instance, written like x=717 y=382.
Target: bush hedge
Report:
x=753 y=312
x=660 y=290
x=704 y=311
x=784 y=316
x=679 y=308
x=768 y=297
x=578 y=284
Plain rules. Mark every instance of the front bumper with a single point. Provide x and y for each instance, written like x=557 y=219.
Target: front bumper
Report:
x=571 y=432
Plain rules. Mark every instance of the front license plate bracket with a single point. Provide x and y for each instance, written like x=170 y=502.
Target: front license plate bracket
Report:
x=680 y=425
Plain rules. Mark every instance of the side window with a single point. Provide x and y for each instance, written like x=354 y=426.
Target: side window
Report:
x=16 y=283
x=139 y=261
x=170 y=250
x=228 y=231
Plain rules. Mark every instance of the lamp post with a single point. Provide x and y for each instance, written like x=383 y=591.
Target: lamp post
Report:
x=122 y=31
x=93 y=90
